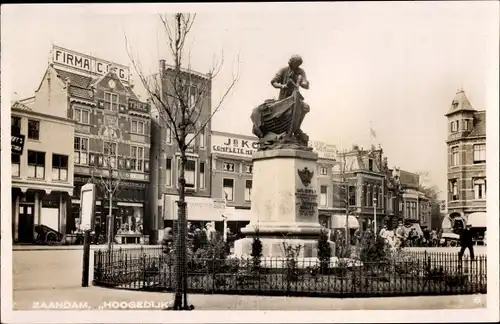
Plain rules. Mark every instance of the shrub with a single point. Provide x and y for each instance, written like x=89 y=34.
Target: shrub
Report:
x=256 y=252
x=291 y=254
x=324 y=252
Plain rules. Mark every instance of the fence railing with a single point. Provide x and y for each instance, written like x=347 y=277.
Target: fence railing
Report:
x=414 y=273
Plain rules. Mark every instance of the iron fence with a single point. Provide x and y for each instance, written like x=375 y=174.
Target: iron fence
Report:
x=412 y=273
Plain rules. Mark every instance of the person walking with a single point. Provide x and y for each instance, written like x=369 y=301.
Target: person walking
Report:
x=466 y=242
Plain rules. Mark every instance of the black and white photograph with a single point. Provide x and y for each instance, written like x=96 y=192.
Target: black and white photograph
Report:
x=271 y=159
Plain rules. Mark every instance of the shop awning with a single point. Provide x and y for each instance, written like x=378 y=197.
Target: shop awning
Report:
x=477 y=219
x=338 y=221
x=446 y=223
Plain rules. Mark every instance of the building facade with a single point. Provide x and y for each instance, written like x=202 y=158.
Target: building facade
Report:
x=466 y=144
x=111 y=136
x=165 y=155
x=42 y=173
x=359 y=180
x=414 y=206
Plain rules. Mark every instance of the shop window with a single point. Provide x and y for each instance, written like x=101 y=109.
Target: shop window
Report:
x=36 y=164
x=228 y=186
x=59 y=167
x=34 y=129
x=248 y=190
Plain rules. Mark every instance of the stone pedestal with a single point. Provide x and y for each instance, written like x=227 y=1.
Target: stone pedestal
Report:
x=284 y=203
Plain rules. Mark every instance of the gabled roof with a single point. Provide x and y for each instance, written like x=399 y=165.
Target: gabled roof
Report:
x=76 y=80
x=460 y=103
x=479 y=128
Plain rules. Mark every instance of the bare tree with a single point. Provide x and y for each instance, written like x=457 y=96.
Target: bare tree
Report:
x=108 y=174
x=179 y=96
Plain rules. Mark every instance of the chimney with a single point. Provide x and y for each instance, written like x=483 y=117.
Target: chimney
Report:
x=162 y=66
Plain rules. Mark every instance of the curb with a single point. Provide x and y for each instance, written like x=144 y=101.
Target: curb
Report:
x=78 y=247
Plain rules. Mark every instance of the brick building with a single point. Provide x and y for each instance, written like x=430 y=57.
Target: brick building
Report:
x=165 y=160
x=110 y=121
x=466 y=145
x=42 y=173
x=359 y=180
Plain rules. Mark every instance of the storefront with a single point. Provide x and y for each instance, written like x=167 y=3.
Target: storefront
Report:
x=127 y=208
x=33 y=206
x=203 y=210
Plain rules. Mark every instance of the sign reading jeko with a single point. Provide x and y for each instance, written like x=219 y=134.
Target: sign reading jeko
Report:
x=87 y=63
x=234 y=145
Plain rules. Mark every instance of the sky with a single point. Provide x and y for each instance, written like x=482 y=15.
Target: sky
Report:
x=393 y=65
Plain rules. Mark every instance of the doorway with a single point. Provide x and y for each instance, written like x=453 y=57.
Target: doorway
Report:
x=26 y=223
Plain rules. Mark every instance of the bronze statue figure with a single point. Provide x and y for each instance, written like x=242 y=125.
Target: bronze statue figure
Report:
x=277 y=122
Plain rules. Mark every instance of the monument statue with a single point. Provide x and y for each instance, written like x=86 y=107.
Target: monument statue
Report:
x=277 y=122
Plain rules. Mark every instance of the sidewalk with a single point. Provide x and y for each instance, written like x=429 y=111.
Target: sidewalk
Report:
x=32 y=247
x=96 y=297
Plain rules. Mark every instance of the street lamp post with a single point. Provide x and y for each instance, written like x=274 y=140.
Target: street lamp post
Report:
x=375 y=215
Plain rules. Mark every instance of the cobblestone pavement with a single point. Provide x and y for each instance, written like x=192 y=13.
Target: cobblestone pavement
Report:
x=45 y=276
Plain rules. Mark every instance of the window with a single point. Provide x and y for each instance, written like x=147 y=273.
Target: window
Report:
x=380 y=198
x=33 y=129
x=137 y=127
x=479 y=153
x=323 y=171
x=370 y=164
x=81 y=116
x=189 y=172
x=467 y=124
x=365 y=196
x=408 y=210
x=202 y=138
x=248 y=190
x=228 y=167
x=169 y=172
x=190 y=142
x=202 y=175
x=169 y=135
x=36 y=164
x=16 y=164
x=137 y=161
x=248 y=168
x=453 y=187
x=192 y=97
x=110 y=101
x=228 y=185
x=370 y=196
x=454 y=126
x=15 y=125
x=110 y=151
x=352 y=195
x=479 y=188
x=323 y=196
x=455 y=158
x=81 y=147
x=59 y=167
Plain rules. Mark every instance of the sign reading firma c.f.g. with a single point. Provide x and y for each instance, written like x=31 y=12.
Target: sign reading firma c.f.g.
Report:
x=82 y=62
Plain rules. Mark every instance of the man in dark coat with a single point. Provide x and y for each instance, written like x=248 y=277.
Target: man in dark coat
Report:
x=466 y=241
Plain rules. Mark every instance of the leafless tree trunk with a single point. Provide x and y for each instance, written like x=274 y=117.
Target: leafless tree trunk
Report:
x=179 y=109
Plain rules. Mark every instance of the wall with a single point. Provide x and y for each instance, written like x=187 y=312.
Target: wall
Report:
x=51 y=97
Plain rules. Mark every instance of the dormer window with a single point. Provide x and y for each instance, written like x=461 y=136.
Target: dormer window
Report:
x=370 y=164
x=454 y=104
